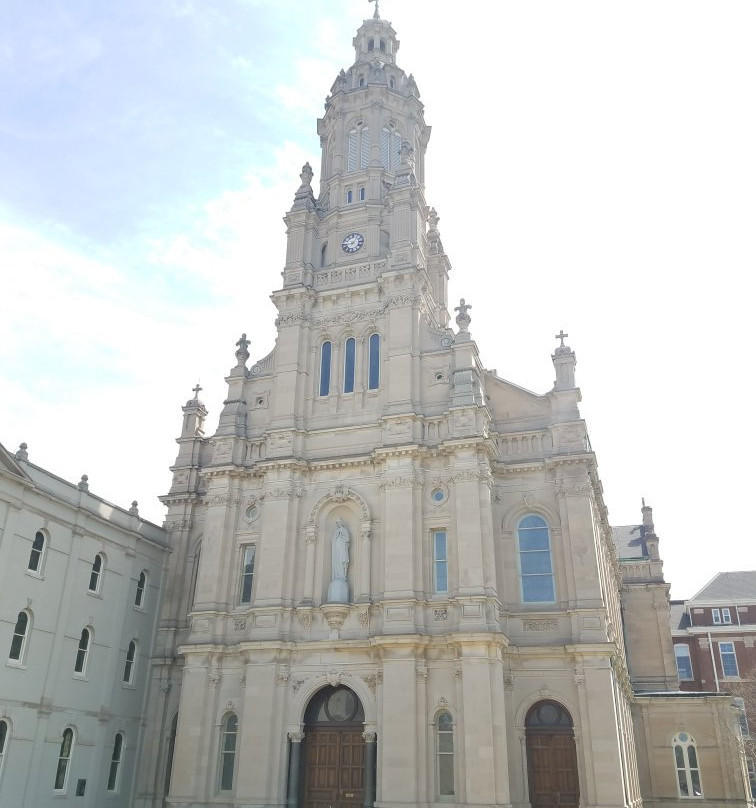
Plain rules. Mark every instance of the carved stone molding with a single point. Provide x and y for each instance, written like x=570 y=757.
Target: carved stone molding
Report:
x=401 y=482
x=458 y=674
x=240 y=624
x=283 y=674
x=421 y=674
x=368 y=736
x=213 y=678
x=372 y=680
x=295 y=737
x=296 y=684
x=335 y=678
x=364 y=618
x=340 y=494
x=540 y=624
x=306 y=620
x=440 y=615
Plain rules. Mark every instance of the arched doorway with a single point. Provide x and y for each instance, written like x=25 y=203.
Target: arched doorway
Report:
x=334 y=750
x=552 y=759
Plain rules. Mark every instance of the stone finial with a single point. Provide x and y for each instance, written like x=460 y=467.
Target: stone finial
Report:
x=433 y=219
x=83 y=483
x=564 y=363
x=22 y=454
x=242 y=354
x=463 y=319
x=304 y=197
x=376 y=14
x=134 y=509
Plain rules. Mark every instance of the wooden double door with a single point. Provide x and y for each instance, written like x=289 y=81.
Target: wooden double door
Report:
x=334 y=767
x=552 y=770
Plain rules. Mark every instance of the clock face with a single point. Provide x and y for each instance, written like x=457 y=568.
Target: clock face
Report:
x=352 y=242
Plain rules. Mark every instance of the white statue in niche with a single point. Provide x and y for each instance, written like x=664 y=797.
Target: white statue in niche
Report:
x=338 y=591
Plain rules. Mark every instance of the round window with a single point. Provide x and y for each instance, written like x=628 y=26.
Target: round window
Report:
x=341 y=705
x=252 y=512
x=438 y=495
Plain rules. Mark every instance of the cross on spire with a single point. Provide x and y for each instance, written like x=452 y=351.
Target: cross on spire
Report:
x=196 y=390
x=561 y=336
x=376 y=14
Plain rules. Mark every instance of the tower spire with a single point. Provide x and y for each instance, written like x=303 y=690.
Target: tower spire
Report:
x=376 y=13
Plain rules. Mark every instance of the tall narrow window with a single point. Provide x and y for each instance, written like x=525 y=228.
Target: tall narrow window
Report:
x=536 y=576
x=358 y=146
x=362 y=194
x=64 y=758
x=349 y=197
x=95 y=574
x=227 y=753
x=726 y=616
x=20 y=634
x=349 y=354
x=440 y=562
x=247 y=573
x=4 y=733
x=391 y=144
x=686 y=765
x=684 y=665
x=128 y=670
x=729 y=659
x=324 y=254
x=170 y=746
x=115 y=762
x=37 y=551
x=374 y=361
x=740 y=713
x=82 y=652
x=325 y=368
x=445 y=754
x=140 y=587
x=716 y=616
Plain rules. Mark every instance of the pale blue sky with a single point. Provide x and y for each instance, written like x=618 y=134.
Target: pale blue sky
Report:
x=592 y=163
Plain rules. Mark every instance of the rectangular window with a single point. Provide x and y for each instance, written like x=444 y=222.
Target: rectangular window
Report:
x=729 y=660
x=739 y=705
x=716 y=617
x=349 y=356
x=726 y=617
x=440 y=562
x=374 y=361
x=325 y=368
x=247 y=573
x=684 y=666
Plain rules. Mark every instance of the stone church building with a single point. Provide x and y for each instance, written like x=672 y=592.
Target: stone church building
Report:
x=392 y=578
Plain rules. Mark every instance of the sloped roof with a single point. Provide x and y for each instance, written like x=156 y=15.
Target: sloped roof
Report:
x=629 y=541
x=9 y=464
x=678 y=617
x=728 y=586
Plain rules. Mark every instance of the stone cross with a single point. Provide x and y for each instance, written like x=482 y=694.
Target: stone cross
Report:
x=196 y=389
x=561 y=336
x=376 y=15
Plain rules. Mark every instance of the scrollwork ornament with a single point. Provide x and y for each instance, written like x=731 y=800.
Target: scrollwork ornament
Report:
x=368 y=736
x=296 y=737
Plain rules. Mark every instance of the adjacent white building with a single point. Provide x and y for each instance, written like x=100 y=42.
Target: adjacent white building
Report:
x=79 y=595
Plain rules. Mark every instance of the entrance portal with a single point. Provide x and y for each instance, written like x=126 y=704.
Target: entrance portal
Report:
x=334 y=750
x=552 y=759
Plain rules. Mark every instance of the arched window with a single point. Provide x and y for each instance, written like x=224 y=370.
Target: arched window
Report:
x=128 y=670
x=20 y=636
x=115 y=762
x=349 y=197
x=445 y=754
x=686 y=765
x=325 y=368
x=64 y=759
x=227 y=753
x=349 y=357
x=140 y=587
x=324 y=254
x=169 y=747
x=374 y=361
x=371 y=44
x=682 y=658
x=37 y=552
x=82 y=652
x=247 y=575
x=536 y=571
x=4 y=735
x=391 y=144
x=358 y=146
x=383 y=45
x=96 y=574
x=362 y=194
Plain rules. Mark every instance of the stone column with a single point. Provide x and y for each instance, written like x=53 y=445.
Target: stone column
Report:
x=370 y=756
x=309 y=580
x=295 y=759
x=364 y=586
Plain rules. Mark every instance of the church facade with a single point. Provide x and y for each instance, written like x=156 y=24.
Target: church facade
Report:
x=393 y=579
